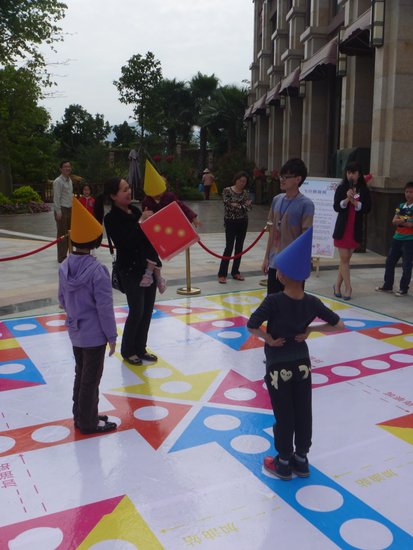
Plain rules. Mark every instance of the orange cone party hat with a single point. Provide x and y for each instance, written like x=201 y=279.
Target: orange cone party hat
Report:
x=154 y=184
x=84 y=227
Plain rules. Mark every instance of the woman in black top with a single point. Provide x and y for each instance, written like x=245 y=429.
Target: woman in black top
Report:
x=122 y=225
x=351 y=202
x=236 y=206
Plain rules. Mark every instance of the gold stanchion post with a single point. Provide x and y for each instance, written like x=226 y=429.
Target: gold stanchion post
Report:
x=188 y=290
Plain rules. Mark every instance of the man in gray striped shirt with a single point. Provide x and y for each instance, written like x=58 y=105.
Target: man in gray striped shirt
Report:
x=62 y=205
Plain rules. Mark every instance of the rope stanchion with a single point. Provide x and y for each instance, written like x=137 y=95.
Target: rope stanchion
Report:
x=19 y=256
x=201 y=244
x=188 y=290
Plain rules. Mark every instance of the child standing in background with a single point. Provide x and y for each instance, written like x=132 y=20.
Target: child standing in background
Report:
x=85 y=293
x=86 y=199
x=288 y=367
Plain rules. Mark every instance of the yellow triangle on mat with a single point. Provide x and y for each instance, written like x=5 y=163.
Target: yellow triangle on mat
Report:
x=402 y=433
x=123 y=524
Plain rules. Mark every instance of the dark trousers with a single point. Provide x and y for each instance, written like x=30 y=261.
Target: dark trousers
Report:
x=140 y=301
x=207 y=191
x=88 y=372
x=399 y=249
x=289 y=387
x=235 y=232
x=63 y=226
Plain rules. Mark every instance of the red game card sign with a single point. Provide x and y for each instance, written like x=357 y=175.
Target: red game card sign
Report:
x=169 y=231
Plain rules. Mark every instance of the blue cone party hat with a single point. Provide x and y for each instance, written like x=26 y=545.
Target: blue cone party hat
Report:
x=295 y=260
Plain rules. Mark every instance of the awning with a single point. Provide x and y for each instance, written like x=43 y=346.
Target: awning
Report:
x=273 y=95
x=248 y=113
x=291 y=83
x=316 y=68
x=259 y=105
x=356 y=37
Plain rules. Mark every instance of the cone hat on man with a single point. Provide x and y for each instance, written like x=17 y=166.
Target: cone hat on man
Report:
x=295 y=260
x=153 y=183
x=85 y=229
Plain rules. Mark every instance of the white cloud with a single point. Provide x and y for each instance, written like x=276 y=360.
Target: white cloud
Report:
x=186 y=36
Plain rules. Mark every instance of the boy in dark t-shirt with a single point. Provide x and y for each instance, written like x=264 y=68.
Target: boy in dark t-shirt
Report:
x=288 y=367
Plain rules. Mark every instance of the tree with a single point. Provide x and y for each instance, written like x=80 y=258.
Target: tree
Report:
x=202 y=87
x=79 y=129
x=137 y=87
x=176 y=112
x=24 y=25
x=125 y=135
x=25 y=143
x=224 y=117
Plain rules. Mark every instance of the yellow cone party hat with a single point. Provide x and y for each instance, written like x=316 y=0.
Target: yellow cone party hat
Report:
x=84 y=227
x=154 y=184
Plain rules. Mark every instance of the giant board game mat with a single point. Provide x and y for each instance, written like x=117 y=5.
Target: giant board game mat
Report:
x=184 y=469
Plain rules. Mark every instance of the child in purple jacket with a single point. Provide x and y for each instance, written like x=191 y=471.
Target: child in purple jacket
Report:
x=85 y=293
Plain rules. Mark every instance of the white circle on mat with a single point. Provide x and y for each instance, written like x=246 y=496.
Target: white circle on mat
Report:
x=50 y=434
x=11 y=368
x=121 y=314
x=366 y=534
x=319 y=498
x=229 y=335
x=6 y=443
x=317 y=378
x=375 y=364
x=390 y=330
x=181 y=310
x=223 y=324
x=55 y=323
x=25 y=326
x=46 y=538
x=354 y=324
x=152 y=412
x=408 y=338
x=176 y=387
x=113 y=544
x=157 y=372
x=250 y=444
x=207 y=316
x=242 y=300
x=345 y=370
x=402 y=358
x=222 y=422
x=240 y=394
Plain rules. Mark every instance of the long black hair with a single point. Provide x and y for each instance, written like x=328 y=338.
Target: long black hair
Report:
x=111 y=187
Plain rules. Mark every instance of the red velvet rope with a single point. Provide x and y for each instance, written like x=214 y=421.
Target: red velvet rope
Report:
x=48 y=245
x=236 y=255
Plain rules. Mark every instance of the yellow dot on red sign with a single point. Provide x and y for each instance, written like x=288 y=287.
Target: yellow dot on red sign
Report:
x=156 y=228
x=181 y=233
x=168 y=230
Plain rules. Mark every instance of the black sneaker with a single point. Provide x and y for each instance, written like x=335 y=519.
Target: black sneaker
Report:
x=299 y=467
x=277 y=468
x=383 y=289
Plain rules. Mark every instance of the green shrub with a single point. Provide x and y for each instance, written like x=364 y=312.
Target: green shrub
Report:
x=25 y=194
x=190 y=194
x=4 y=200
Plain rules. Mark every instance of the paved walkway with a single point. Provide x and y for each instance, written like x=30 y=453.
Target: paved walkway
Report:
x=29 y=285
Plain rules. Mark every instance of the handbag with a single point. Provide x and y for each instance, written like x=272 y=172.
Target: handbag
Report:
x=116 y=278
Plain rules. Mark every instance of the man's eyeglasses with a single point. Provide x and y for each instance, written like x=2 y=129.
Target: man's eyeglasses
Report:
x=287 y=177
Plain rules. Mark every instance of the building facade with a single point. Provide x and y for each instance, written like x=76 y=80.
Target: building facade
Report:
x=332 y=81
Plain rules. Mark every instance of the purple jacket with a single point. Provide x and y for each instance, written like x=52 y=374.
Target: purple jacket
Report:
x=85 y=293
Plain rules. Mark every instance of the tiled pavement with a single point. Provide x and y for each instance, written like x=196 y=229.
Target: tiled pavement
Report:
x=29 y=285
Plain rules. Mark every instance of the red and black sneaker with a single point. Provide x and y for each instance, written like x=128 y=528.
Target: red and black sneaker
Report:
x=279 y=469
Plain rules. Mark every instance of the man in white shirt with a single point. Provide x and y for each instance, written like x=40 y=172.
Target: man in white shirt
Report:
x=62 y=205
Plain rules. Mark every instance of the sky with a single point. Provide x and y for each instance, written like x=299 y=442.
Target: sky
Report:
x=186 y=36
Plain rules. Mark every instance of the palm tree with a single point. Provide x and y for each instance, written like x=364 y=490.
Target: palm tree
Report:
x=177 y=115
x=202 y=88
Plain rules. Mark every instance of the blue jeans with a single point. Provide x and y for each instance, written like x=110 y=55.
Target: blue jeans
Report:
x=399 y=249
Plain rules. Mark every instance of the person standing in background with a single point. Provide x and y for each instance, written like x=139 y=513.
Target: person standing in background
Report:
x=207 y=179
x=86 y=198
x=236 y=206
x=351 y=201
x=62 y=206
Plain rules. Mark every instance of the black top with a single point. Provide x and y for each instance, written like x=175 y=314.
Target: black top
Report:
x=133 y=248
x=340 y=195
x=286 y=318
